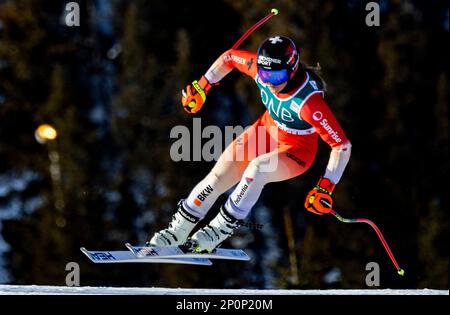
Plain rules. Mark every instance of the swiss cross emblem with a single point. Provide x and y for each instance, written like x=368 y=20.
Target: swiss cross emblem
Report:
x=275 y=39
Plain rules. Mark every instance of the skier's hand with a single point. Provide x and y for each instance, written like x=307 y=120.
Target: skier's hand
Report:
x=195 y=95
x=319 y=200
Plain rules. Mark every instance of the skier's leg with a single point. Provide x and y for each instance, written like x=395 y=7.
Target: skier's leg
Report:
x=290 y=162
x=226 y=173
x=222 y=177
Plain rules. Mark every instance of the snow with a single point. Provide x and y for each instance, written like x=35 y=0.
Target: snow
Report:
x=60 y=290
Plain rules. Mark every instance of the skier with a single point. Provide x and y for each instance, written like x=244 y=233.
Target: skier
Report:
x=293 y=96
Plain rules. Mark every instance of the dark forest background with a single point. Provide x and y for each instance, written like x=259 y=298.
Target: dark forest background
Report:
x=112 y=87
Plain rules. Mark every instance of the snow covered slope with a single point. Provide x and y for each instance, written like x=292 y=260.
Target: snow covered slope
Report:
x=39 y=290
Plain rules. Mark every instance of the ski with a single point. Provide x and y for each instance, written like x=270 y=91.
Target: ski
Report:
x=156 y=252
x=125 y=256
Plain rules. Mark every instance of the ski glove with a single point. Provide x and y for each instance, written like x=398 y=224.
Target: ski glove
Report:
x=319 y=200
x=195 y=95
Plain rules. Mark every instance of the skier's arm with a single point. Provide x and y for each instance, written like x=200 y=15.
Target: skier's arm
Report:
x=195 y=95
x=242 y=60
x=317 y=113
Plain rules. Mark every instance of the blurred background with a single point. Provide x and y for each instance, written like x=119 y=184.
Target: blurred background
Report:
x=111 y=90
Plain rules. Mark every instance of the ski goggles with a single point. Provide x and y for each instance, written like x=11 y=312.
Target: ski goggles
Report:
x=276 y=77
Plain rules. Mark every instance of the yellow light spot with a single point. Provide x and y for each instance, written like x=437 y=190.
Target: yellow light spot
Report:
x=45 y=133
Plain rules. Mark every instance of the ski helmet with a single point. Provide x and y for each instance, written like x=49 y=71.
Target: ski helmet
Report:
x=278 y=60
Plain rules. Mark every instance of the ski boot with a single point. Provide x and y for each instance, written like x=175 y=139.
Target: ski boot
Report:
x=213 y=234
x=179 y=229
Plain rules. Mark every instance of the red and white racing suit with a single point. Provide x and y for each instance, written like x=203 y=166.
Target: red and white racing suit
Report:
x=294 y=150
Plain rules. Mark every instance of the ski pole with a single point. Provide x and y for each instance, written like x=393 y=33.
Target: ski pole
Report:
x=254 y=27
x=400 y=271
